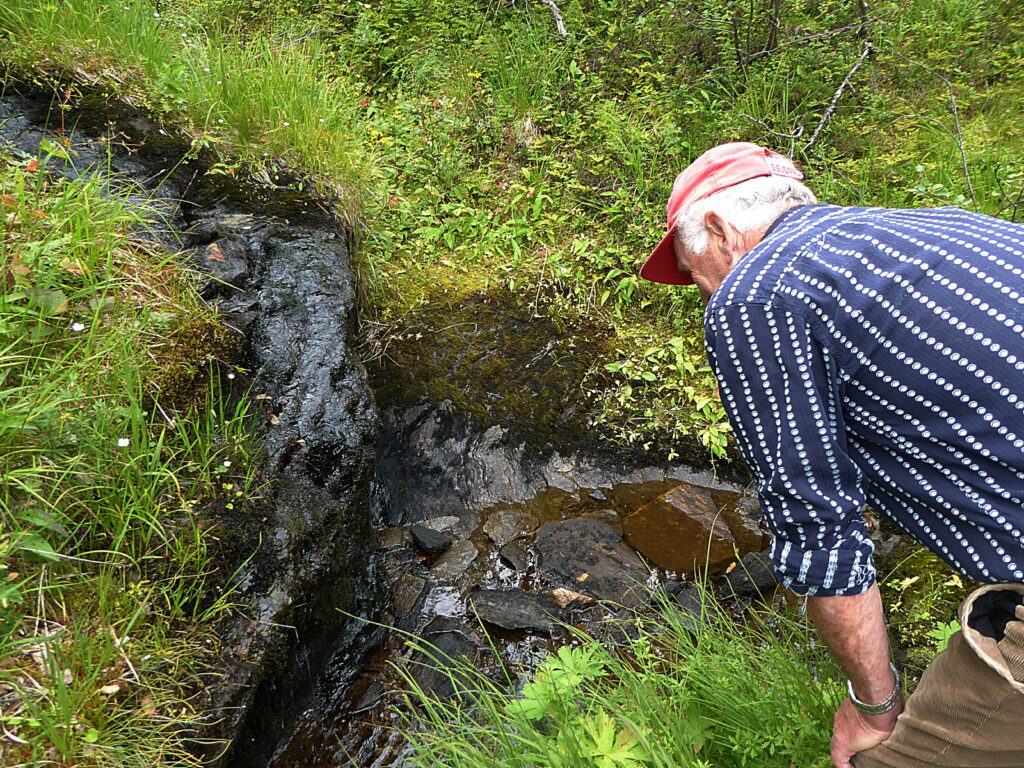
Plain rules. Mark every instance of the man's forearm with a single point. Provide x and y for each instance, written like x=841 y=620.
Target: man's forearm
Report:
x=854 y=629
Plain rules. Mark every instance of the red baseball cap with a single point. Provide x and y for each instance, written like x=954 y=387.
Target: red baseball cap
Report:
x=720 y=167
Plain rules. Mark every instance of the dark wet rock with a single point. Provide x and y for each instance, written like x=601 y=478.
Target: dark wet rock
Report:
x=515 y=609
x=452 y=524
x=587 y=556
x=374 y=692
x=608 y=516
x=685 y=606
x=409 y=592
x=515 y=555
x=225 y=263
x=298 y=315
x=505 y=525
x=743 y=516
x=391 y=538
x=681 y=531
x=428 y=541
x=447 y=646
x=451 y=567
x=752 y=576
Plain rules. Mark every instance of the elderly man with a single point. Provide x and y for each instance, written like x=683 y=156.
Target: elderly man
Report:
x=872 y=356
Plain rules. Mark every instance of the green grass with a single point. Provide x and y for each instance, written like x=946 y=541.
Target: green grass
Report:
x=112 y=444
x=479 y=149
x=760 y=693
x=270 y=107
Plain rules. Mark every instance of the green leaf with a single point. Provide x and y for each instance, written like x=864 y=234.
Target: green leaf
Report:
x=50 y=303
x=35 y=544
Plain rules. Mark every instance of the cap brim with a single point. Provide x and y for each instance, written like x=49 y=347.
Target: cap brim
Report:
x=661 y=266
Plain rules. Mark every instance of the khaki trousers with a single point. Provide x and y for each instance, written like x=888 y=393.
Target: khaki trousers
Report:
x=968 y=709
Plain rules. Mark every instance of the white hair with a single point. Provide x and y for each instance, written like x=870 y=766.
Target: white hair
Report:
x=749 y=204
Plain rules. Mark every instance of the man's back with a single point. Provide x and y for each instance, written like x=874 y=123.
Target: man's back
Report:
x=872 y=354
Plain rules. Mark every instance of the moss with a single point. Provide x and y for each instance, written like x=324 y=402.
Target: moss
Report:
x=500 y=359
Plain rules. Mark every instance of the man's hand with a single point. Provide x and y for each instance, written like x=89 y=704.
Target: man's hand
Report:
x=854 y=731
x=854 y=629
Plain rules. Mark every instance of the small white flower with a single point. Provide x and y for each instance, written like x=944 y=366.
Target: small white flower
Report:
x=76 y=327
x=321 y=120
x=156 y=15
x=231 y=375
x=227 y=463
x=123 y=442
x=206 y=69
x=287 y=123
x=220 y=120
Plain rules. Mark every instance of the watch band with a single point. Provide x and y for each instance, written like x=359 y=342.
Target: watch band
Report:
x=888 y=705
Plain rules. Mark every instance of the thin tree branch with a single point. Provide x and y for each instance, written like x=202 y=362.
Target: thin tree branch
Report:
x=958 y=137
x=562 y=31
x=868 y=48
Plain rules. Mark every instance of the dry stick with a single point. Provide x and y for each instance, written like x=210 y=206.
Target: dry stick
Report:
x=562 y=31
x=959 y=137
x=868 y=48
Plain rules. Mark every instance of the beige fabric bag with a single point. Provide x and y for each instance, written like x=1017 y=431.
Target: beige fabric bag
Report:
x=968 y=710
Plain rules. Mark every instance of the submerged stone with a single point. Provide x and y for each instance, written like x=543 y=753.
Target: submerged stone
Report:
x=681 y=531
x=451 y=567
x=587 y=555
x=428 y=541
x=508 y=524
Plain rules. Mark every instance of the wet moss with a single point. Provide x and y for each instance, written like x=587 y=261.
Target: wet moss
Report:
x=498 y=358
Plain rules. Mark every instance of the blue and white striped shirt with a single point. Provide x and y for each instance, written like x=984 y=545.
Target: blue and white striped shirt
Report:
x=867 y=355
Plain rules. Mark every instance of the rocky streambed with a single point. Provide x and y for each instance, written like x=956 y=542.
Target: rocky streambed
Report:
x=384 y=509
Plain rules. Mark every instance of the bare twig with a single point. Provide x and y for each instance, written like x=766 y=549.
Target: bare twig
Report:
x=958 y=137
x=562 y=31
x=868 y=48
x=790 y=137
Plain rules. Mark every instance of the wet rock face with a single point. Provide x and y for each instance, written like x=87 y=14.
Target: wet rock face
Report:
x=298 y=311
x=279 y=270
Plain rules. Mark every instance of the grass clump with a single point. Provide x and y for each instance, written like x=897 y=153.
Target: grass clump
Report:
x=730 y=694
x=108 y=584
x=269 y=109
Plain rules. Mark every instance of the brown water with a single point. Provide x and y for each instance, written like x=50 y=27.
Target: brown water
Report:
x=360 y=729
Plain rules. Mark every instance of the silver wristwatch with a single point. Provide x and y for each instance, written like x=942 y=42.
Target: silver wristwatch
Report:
x=878 y=709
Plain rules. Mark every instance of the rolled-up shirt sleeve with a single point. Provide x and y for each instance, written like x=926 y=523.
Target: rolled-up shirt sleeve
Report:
x=780 y=387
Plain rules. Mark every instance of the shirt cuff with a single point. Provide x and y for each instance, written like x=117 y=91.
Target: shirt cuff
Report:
x=849 y=569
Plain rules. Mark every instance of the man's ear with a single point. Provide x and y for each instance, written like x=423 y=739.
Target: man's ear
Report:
x=724 y=236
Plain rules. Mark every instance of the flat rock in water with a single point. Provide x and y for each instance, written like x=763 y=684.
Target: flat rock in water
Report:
x=428 y=541
x=515 y=555
x=752 y=576
x=586 y=555
x=508 y=524
x=451 y=567
x=515 y=609
x=681 y=530
x=447 y=524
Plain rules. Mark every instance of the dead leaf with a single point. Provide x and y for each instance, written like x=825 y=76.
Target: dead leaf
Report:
x=32 y=165
x=565 y=597
x=582 y=577
x=732 y=567
x=214 y=252
x=110 y=690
